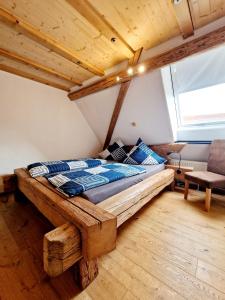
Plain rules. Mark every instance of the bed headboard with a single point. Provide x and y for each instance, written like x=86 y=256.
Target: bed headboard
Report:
x=163 y=149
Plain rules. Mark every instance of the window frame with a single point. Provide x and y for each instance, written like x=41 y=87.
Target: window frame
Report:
x=201 y=125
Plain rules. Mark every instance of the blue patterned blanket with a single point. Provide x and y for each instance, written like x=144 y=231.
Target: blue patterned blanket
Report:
x=49 y=167
x=76 y=182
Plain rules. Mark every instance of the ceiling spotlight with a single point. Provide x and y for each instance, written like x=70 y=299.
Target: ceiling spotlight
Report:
x=117 y=78
x=141 y=69
x=130 y=71
x=176 y=2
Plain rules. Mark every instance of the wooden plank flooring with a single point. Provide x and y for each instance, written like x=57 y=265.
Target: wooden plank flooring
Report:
x=171 y=249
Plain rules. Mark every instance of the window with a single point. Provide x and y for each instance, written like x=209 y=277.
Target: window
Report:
x=195 y=94
x=203 y=106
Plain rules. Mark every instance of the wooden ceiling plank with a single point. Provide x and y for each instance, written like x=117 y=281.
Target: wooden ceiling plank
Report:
x=104 y=27
x=121 y=97
x=45 y=40
x=32 y=63
x=197 y=45
x=184 y=18
x=32 y=77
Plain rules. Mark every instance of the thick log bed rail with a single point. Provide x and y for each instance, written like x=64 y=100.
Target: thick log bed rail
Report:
x=85 y=231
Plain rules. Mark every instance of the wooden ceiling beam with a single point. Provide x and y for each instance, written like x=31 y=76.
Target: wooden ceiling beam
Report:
x=33 y=33
x=29 y=62
x=183 y=16
x=104 y=27
x=32 y=77
x=197 y=45
x=120 y=99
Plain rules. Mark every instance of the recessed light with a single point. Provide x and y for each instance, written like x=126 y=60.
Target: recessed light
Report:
x=130 y=71
x=141 y=69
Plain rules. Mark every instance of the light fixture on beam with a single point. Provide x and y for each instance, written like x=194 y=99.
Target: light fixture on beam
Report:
x=141 y=69
x=117 y=78
x=130 y=71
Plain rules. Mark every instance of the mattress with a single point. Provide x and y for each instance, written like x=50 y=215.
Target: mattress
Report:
x=98 y=194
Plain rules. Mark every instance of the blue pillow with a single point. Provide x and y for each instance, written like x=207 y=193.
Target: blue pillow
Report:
x=141 y=154
x=116 y=152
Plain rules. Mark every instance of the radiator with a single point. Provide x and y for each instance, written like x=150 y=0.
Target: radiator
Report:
x=197 y=165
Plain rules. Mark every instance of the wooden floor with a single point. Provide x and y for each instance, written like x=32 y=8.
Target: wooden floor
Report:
x=171 y=249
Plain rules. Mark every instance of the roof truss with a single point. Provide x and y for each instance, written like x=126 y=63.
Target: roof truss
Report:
x=47 y=41
x=202 y=43
x=120 y=99
x=70 y=41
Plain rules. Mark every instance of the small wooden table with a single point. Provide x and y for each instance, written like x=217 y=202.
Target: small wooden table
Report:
x=179 y=176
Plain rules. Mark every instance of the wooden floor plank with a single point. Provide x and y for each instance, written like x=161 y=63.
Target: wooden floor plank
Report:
x=136 y=279
x=174 y=238
x=196 y=230
x=106 y=287
x=171 y=249
x=187 y=285
x=177 y=256
x=211 y=275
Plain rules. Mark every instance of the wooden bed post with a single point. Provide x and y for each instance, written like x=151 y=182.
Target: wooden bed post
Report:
x=62 y=249
x=88 y=271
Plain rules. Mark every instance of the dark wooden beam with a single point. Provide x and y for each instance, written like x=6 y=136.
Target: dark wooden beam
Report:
x=209 y=40
x=46 y=40
x=119 y=102
x=183 y=16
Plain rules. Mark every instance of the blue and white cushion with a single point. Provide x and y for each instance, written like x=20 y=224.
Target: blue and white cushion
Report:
x=49 y=167
x=73 y=183
x=141 y=154
x=116 y=152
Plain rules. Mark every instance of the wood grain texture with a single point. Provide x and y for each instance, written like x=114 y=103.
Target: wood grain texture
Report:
x=104 y=27
x=27 y=61
x=23 y=27
x=98 y=228
x=141 y=23
x=63 y=23
x=65 y=245
x=32 y=76
x=88 y=271
x=61 y=249
x=115 y=115
x=12 y=41
x=7 y=183
x=204 y=12
x=120 y=99
x=200 y=44
x=184 y=19
x=149 y=262
x=129 y=201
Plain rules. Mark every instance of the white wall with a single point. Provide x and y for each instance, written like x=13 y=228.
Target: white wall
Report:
x=144 y=105
x=38 y=122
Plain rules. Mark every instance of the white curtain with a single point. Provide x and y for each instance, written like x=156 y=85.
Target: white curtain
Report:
x=199 y=71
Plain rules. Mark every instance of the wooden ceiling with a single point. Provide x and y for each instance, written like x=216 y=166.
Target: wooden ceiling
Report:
x=63 y=43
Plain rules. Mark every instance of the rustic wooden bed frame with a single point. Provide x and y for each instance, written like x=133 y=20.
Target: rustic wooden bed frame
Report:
x=84 y=231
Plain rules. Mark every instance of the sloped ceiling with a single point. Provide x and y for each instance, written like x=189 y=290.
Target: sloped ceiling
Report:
x=66 y=42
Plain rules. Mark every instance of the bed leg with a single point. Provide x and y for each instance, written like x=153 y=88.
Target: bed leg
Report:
x=172 y=186
x=88 y=271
